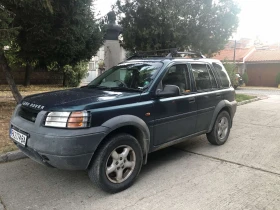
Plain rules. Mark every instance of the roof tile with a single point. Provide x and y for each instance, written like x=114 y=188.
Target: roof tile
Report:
x=228 y=54
x=264 y=56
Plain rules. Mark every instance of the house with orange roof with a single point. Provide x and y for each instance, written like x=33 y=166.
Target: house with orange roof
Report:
x=262 y=66
x=237 y=56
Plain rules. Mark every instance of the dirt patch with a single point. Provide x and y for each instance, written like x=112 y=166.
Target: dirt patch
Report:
x=6 y=111
x=7 y=106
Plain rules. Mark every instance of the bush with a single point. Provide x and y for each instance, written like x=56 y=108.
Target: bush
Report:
x=75 y=74
x=231 y=70
x=245 y=78
x=278 y=78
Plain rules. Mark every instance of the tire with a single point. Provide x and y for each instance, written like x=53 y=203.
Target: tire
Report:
x=220 y=131
x=110 y=158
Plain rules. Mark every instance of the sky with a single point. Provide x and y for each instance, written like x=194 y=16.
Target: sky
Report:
x=258 y=18
x=104 y=6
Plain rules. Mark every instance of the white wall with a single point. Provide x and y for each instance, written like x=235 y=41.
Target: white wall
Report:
x=114 y=58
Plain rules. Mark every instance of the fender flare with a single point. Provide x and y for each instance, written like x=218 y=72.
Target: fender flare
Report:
x=131 y=120
x=219 y=107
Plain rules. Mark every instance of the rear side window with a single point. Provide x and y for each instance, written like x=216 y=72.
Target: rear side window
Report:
x=204 y=78
x=225 y=82
x=212 y=78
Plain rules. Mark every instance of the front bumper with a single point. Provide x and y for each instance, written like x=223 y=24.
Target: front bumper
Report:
x=56 y=147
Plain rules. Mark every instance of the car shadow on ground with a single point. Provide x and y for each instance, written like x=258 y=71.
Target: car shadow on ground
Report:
x=156 y=160
x=160 y=158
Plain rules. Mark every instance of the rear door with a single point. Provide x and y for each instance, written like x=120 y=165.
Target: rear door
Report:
x=175 y=116
x=207 y=94
x=226 y=91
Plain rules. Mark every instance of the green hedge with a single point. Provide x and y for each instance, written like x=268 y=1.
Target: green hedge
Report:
x=245 y=78
x=75 y=74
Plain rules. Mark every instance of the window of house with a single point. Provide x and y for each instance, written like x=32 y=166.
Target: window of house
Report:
x=91 y=66
x=203 y=79
x=225 y=82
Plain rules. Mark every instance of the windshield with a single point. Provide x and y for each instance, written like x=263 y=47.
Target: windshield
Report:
x=136 y=76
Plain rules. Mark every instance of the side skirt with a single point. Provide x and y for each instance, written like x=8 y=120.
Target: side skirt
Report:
x=176 y=141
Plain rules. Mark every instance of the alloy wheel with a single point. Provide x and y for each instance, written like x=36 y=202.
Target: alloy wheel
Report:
x=223 y=127
x=120 y=164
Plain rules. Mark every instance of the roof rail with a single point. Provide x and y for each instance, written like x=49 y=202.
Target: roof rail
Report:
x=192 y=53
x=167 y=53
x=153 y=53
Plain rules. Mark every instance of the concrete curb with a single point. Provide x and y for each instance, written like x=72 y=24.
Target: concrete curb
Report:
x=248 y=101
x=11 y=156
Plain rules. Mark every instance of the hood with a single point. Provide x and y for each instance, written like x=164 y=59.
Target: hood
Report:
x=77 y=98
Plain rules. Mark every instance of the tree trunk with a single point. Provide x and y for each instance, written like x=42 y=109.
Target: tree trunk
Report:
x=10 y=80
x=27 y=74
x=64 y=79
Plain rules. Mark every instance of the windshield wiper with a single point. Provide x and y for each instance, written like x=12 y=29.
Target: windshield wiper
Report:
x=98 y=87
x=113 y=88
x=126 y=89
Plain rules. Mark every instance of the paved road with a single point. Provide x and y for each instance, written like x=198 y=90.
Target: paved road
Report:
x=242 y=174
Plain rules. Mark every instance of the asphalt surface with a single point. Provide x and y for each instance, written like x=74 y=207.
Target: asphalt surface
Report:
x=242 y=174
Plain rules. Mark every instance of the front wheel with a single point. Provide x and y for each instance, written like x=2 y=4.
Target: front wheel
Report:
x=221 y=129
x=117 y=163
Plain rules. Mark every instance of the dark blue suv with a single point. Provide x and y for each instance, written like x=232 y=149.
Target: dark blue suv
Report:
x=137 y=107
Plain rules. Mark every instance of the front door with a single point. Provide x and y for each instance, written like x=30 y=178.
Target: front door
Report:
x=175 y=116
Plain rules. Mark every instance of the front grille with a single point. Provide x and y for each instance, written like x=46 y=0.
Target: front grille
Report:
x=28 y=114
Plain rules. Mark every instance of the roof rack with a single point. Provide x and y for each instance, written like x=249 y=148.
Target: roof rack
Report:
x=153 y=53
x=167 y=53
x=173 y=54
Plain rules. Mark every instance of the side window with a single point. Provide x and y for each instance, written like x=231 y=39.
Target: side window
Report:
x=177 y=75
x=203 y=79
x=225 y=82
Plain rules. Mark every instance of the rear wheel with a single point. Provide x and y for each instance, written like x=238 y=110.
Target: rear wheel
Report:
x=117 y=163
x=221 y=129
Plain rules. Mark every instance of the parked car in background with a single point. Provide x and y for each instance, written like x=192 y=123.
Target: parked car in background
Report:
x=137 y=107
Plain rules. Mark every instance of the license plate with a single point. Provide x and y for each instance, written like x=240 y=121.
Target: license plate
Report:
x=18 y=137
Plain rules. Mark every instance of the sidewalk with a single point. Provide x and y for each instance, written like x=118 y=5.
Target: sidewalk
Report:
x=258 y=88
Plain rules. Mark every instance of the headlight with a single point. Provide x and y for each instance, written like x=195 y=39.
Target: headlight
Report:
x=68 y=119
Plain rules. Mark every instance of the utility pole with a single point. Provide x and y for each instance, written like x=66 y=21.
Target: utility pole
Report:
x=234 y=51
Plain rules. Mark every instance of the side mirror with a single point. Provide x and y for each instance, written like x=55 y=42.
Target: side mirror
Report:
x=169 y=91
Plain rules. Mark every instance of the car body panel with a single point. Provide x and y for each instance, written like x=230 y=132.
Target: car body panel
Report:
x=79 y=99
x=179 y=111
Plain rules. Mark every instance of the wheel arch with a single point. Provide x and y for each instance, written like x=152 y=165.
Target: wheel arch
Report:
x=132 y=125
x=222 y=106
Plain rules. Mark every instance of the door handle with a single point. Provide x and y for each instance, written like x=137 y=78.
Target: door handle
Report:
x=218 y=95
x=191 y=100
